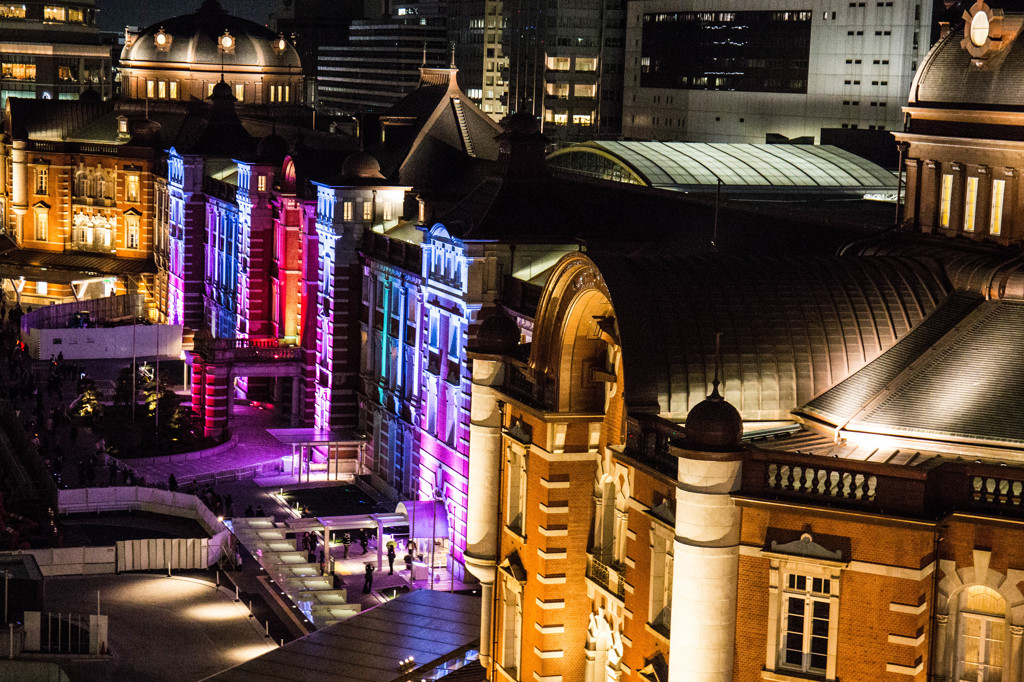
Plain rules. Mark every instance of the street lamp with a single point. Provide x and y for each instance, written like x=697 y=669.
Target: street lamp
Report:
x=7 y=577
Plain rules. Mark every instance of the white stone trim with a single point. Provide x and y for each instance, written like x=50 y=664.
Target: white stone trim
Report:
x=550 y=629
x=554 y=510
x=553 y=484
x=551 y=604
x=628 y=560
x=546 y=678
x=906 y=608
x=906 y=641
x=904 y=669
x=551 y=556
x=556 y=533
x=554 y=580
x=554 y=653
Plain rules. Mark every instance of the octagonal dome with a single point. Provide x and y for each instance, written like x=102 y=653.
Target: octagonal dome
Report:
x=193 y=39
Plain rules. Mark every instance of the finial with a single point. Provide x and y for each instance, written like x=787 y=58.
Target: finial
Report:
x=451 y=48
x=424 y=64
x=715 y=395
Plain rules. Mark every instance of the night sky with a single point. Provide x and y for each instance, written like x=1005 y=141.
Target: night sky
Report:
x=116 y=14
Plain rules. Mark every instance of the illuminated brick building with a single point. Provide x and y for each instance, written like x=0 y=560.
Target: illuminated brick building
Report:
x=82 y=199
x=719 y=467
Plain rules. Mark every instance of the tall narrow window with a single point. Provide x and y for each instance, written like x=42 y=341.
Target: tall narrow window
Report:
x=132 y=188
x=240 y=92
x=662 y=539
x=161 y=89
x=947 y=198
x=512 y=631
x=42 y=180
x=367 y=210
x=42 y=225
x=970 y=204
x=389 y=210
x=261 y=183
x=982 y=635
x=173 y=86
x=348 y=210
x=131 y=234
x=516 y=488
x=805 y=623
x=150 y=89
x=995 y=225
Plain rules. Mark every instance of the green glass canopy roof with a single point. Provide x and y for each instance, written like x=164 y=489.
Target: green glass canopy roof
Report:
x=697 y=165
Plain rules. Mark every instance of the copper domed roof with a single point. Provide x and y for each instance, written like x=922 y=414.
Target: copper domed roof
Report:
x=193 y=39
x=713 y=425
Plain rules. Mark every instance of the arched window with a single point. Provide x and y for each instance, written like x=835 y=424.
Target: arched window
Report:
x=981 y=650
x=81 y=183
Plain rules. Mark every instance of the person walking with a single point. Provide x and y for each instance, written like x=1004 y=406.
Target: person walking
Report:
x=368 y=581
x=391 y=558
x=346 y=540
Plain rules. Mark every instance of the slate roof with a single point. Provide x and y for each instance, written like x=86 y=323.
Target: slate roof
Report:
x=428 y=625
x=844 y=400
x=965 y=388
x=947 y=78
x=791 y=327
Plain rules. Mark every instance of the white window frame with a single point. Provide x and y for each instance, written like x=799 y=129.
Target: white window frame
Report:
x=781 y=566
x=516 y=462
x=987 y=622
x=42 y=180
x=42 y=224
x=659 y=612
x=132 y=187
x=131 y=231
x=512 y=627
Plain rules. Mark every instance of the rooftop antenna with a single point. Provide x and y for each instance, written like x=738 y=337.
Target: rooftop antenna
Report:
x=424 y=64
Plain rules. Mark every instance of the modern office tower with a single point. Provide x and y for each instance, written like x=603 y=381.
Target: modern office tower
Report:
x=475 y=28
x=379 y=63
x=52 y=50
x=564 y=65
x=751 y=71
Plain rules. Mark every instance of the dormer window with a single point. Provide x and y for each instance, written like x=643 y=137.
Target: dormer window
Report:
x=122 y=125
x=280 y=45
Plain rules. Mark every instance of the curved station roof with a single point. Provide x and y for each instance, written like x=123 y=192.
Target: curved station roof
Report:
x=699 y=166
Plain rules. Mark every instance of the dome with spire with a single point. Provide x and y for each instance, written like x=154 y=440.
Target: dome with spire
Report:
x=713 y=425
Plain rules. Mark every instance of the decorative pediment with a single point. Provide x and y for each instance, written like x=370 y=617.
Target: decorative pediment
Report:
x=513 y=567
x=806 y=547
x=41 y=206
x=520 y=431
x=133 y=211
x=664 y=512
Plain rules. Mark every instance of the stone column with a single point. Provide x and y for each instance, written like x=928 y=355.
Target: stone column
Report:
x=19 y=177
x=1016 y=635
x=939 y=647
x=484 y=457
x=706 y=568
x=296 y=401
x=216 y=402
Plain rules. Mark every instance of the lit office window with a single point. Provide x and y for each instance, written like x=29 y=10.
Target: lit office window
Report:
x=971 y=204
x=947 y=197
x=995 y=225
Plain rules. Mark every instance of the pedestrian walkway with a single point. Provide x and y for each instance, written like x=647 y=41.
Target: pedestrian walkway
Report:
x=254 y=448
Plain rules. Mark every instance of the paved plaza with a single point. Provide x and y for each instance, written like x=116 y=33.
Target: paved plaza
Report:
x=160 y=628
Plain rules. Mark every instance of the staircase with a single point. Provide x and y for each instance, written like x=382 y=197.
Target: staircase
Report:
x=460 y=115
